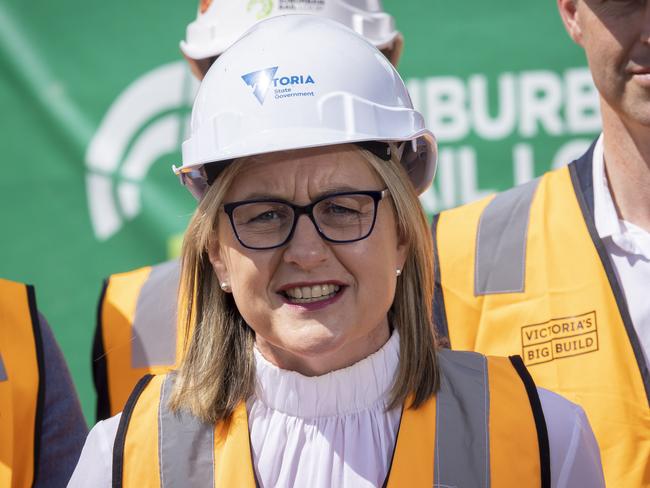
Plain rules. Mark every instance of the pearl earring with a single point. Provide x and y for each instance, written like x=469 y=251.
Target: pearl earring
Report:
x=398 y=272
x=225 y=286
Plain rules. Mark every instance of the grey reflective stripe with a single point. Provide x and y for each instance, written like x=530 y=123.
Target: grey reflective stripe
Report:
x=501 y=242
x=3 y=371
x=185 y=446
x=462 y=421
x=154 y=325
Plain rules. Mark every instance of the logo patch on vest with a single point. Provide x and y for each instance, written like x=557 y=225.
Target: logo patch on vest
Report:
x=559 y=338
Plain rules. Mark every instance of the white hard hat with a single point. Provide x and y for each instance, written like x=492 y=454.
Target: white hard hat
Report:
x=301 y=81
x=220 y=22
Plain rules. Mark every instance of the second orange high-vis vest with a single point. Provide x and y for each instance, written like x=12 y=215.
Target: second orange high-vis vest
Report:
x=137 y=332
x=526 y=273
x=21 y=389
x=484 y=427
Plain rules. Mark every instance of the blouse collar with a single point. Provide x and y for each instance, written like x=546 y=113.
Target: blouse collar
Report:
x=347 y=391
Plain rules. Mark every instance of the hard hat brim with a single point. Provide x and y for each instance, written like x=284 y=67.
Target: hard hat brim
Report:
x=422 y=151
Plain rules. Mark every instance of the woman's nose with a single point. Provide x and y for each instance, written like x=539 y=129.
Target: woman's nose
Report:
x=306 y=249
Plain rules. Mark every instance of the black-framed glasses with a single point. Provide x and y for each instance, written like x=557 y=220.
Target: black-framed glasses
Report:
x=338 y=217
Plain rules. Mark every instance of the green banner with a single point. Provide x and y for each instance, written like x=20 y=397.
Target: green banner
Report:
x=95 y=101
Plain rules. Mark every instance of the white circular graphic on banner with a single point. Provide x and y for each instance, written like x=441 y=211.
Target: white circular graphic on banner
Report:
x=140 y=126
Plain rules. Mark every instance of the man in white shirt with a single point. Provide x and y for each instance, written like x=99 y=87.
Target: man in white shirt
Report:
x=561 y=265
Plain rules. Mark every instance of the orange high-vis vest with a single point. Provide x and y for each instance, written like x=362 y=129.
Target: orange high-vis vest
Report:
x=526 y=273
x=484 y=427
x=137 y=332
x=21 y=391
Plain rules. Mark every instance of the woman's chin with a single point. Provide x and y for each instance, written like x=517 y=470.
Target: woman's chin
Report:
x=313 y=341
x=310 y=352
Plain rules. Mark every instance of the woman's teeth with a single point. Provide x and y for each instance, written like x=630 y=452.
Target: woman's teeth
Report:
x=308 y=294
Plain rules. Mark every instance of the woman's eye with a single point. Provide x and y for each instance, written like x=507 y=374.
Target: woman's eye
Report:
x=266 y=216
x=332 y=208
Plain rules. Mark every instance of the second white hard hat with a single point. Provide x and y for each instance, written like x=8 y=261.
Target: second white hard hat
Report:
x=301 y=81
x=220 y=22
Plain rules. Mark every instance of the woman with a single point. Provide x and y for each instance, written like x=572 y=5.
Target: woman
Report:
x=312 y=360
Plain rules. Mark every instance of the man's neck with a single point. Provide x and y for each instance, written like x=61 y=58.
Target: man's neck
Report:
x=627 y=163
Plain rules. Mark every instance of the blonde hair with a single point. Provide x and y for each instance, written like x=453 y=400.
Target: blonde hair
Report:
x=218 y=369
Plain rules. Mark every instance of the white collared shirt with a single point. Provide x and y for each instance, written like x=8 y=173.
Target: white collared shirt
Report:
x=628 y=247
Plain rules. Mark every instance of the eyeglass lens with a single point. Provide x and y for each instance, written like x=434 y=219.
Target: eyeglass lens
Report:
x=340 y=218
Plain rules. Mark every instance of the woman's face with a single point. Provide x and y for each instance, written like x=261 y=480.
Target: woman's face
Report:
x=332 y=331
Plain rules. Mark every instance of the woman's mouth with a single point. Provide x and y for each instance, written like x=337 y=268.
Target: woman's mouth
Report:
x=311 y=294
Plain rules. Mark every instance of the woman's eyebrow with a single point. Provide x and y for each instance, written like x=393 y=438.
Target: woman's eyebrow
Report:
x=270 y=195
x=337 y=189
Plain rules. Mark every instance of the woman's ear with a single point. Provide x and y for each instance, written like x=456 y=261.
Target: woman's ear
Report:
x=402 y=254
x=570 y=17
x=216 y=256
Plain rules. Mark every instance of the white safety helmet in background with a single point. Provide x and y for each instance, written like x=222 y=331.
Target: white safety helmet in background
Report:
x=301 y=81
x=220 y=22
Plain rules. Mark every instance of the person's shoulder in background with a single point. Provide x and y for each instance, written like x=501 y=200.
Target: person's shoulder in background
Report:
x=63 y=427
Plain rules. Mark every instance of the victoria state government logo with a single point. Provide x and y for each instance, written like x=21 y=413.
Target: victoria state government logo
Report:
x=559 y=338
x=284 y=87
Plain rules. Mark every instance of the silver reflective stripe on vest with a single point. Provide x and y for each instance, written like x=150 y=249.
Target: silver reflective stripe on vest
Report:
x=3 y=371
x=462 y=421
x=186 y=446
x=154 y=325
x=501 y=242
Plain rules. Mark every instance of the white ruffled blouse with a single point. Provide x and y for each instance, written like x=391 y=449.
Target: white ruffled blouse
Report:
x=330 y=430
x=334 y=430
